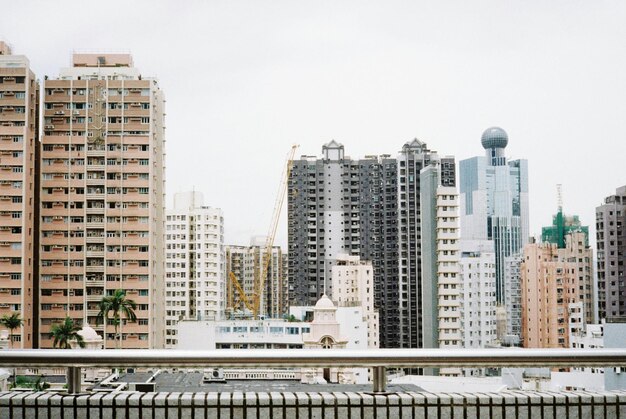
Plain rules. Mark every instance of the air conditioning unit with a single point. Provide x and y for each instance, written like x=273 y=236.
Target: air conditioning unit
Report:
x=213 y=375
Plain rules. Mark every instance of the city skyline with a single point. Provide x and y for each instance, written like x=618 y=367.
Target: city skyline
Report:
x=372 y=78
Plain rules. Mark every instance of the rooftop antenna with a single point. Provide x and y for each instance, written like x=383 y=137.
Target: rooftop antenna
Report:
x=559 y=196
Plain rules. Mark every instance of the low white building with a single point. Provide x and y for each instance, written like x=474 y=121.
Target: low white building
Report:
x=324 y=325
x=241 y=334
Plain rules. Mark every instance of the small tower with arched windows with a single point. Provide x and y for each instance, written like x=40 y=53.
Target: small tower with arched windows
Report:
x=325 y=334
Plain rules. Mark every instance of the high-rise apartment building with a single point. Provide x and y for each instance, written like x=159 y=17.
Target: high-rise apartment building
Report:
x=194 y=263
x=19 y=96
x=441 y=289
x=562 y=226
x=494 y=200
x=246 y=263
x=370 y=208
x=611 y=247
x=478 y=293
x=102 y=198
x=554 y=281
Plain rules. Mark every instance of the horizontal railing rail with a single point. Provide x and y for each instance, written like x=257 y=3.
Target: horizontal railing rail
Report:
x=378 y=359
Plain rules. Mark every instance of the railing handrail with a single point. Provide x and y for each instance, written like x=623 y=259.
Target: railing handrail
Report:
x=390 y=358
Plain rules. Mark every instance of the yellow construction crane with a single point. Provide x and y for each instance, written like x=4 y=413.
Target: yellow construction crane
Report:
x=278 y=204
x=242 y=295
x=254 y=303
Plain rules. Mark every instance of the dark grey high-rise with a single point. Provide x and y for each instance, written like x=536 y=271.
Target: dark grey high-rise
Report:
x=611 y=256
x=368 y=207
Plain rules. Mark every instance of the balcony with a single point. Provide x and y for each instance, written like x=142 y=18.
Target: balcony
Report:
x=123 y=399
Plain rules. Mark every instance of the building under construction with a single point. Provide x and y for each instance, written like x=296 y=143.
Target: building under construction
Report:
x=245 y=264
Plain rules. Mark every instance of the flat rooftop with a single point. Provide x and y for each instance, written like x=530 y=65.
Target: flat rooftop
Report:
x=192 y=382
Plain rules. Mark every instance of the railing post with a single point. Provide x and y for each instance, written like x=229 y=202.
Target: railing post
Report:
x=379 y=379
x=73 y=380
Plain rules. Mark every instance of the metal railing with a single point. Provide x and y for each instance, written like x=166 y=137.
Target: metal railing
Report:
x=377 y=359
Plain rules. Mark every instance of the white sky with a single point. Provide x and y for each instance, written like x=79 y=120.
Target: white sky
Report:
x=246 y=79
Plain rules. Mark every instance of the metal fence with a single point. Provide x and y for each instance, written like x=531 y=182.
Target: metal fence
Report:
x=377 y=359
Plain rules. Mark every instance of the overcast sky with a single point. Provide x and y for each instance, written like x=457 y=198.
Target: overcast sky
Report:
x=246 y=79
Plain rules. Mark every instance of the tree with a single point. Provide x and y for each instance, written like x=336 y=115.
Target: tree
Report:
x=65 y=332
x=11 y=322
x=120 y=306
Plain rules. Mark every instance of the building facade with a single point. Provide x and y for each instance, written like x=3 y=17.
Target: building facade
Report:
x=194 y=263
x=555 y=280
x=353 y=286
x=494 y=201
x=478 y=285
x=102 y=198
x=369 y=208
x=441 y=289
x=19 y=149
x=611 y=254
x=513 y=298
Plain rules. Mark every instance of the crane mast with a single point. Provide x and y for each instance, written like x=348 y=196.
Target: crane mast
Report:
x=269 y=244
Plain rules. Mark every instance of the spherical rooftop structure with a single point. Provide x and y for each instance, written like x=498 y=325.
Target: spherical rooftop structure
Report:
x=494 y=137
x=89 y=334
x=324 y=303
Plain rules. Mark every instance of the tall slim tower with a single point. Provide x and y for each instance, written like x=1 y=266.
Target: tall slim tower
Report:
x=102 y=198
x=194 y=263
x=19 y=95
x=611 y=243
x=494 y=201
x=441 y=288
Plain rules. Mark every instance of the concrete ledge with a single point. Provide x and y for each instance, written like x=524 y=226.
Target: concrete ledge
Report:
x=284 y=405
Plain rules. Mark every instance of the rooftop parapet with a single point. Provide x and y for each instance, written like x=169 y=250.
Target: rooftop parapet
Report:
x=101 y=60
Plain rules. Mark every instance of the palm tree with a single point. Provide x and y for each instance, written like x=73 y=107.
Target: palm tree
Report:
x=120 y=306
x=11 y=322
x=64 y=333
